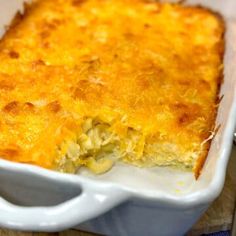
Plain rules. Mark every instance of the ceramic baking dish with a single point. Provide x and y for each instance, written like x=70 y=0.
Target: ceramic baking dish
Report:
x=126 y=200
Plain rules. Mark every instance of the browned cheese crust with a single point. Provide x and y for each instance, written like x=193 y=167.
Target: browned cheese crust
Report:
x=133 y=80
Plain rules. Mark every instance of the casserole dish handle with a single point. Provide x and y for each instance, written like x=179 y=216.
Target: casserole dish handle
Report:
x=94 y=200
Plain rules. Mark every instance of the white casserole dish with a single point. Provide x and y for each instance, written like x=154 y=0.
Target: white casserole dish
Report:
x=126 y=200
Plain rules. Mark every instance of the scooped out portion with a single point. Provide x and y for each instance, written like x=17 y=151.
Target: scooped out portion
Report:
x=89 y=83
x=99 y=146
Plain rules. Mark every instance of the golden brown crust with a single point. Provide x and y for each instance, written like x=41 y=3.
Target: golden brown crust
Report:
x=160 y=73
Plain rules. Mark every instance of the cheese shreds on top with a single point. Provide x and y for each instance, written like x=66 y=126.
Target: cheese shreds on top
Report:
x=92 y=82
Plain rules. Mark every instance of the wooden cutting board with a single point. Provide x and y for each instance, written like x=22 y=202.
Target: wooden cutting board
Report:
x=217 y=218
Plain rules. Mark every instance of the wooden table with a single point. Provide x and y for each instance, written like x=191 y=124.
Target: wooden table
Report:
x=218 y=217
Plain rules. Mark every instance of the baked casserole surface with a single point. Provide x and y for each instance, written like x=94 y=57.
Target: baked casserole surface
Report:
x=92 y=82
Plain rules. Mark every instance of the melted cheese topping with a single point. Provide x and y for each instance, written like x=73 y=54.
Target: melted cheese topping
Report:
x=151 y=67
